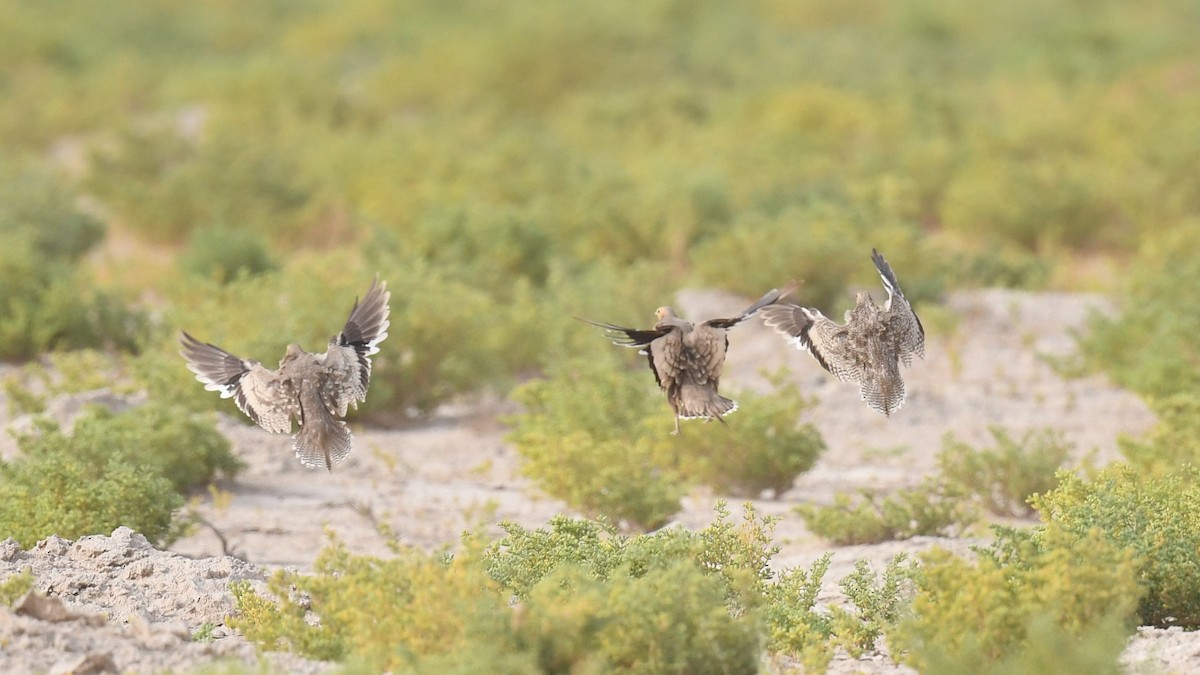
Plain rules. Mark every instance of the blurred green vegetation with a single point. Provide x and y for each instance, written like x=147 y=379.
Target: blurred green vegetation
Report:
x=509 y=164
x=595 y=435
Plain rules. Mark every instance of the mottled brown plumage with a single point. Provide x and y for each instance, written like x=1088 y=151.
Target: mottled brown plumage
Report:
x=868 y=348
x=316 y=390
x=687 y=358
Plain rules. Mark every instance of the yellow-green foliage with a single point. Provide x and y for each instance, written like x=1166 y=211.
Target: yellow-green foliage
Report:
x=765 y=447
x=15 y=586
x=984 y=609
x=587 y=599
x=224 y=253
x=737 y=554
x=670 y=619
x=1156 y=519
x=45 y=300
x=386 y=613
x=60 y=487
x=1150 y=345
x=1003 y=477
x=791 y=620
x=935 y=508
x=127 y=469
x=795 y=626
x=594 y=435
x=1173 y=442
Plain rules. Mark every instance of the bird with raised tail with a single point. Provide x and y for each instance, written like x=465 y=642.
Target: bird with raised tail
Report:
x=868 y=348
x=687 y=358
x=314 y=389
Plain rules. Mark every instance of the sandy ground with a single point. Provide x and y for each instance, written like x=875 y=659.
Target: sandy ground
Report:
x=456 y=471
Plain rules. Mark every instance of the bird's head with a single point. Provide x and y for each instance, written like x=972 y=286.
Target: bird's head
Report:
x=293 y=352
x=664 y=313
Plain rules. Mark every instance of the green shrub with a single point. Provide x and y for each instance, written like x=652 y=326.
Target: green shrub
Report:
x=587 y=597
x=738 y=555
x=166 y=440
x=791 y=620
x=113 y=469
x=984 y=609
x=1157 y=519
x=385 y=613
x=35 y=201
x=767 y=449
x=1148 y=346
x=225 y=253
x=1173 y=442
x=69 y=488
x=587 y=437
x=933 y=509
x=1003 y=477
x=46 y=301
x=15 y=586
x=795 y=626
x=164 y=183
x=671 y=619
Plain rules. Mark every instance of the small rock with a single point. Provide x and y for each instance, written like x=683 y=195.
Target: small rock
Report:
x=38 y=606
x=131 y=540
x=9 y=548
x=85 y=664
x=53 y=545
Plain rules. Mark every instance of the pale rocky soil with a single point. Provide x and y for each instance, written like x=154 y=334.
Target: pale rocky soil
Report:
x=455 y=472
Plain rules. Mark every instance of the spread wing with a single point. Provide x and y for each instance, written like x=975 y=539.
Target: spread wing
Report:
x=634 y=337
x=347 y=360
x=772 y=296
x=810 y=330
x=903 y=328
x=263 y=395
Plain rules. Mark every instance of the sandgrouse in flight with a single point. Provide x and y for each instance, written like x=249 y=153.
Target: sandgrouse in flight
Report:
x=315 y=389
x=686 y=358
x=868 y=348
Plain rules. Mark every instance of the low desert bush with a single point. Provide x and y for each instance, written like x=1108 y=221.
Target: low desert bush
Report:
x=670 y=619
x=1148 y=345
x=1157 y=519
x=766 y=450
x=588 y=437
x=795 y=626
x=982 y=611
x=737 y=554
x=66 y=488
x=586 y=597
x=1004 y=476
x=163 y=439
x=46 y=301
x=384 y=613
x=127 y=469
x=16 y=585
x=576 y=596
x=935 y=508
x=224 y=253
x=1173 y=442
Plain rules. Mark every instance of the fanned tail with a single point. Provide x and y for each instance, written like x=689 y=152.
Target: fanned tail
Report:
x=702 y=402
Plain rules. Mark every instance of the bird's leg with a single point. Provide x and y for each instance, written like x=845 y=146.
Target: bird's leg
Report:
x=676 y=432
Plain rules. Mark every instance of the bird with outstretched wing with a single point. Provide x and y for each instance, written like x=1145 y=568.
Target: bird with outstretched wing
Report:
x=866 y=349
x=316 y=390
x=687 y=358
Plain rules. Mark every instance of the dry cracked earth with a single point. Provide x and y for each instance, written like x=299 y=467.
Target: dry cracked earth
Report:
x=115 y=604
